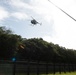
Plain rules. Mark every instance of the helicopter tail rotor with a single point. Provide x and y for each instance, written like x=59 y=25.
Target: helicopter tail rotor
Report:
x=40 y=23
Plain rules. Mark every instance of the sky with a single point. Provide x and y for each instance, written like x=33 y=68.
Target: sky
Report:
x=56 y=26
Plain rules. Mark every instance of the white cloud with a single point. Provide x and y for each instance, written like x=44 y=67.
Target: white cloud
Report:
x=3 y=14
x=19 y=4
x=47 y=38
x=64 y=26
x=19 y=15
x=67 y=42
x=35 y=7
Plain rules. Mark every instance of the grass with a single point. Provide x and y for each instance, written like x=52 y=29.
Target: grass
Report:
x=67 y=73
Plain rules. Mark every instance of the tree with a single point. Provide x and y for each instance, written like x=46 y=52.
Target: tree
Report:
x=8 y=43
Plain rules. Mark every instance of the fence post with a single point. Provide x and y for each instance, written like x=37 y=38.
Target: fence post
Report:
x=54 y=68
x=14 y=67
x=37 y=67
x=46 y=68
x=69 y=66
x=64 y=68
x=28 y=67
x=75 y=67
x=59 y=67
x=72 y=67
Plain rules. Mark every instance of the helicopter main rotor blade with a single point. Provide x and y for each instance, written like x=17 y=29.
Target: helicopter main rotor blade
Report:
x=32 y=17
x=62 y=11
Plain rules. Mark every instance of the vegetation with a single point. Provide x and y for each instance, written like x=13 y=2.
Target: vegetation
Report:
x=34 y=49
x=72 y=73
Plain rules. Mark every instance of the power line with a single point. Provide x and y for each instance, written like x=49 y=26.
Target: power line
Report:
x=62 y=10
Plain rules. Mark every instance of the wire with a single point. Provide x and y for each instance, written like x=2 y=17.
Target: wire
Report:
x=62 y=10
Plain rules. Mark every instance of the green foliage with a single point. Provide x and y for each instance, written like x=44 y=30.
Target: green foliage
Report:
x=34 y=49
x=8 y=43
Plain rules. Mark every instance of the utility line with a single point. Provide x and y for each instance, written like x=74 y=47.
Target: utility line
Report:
x=62 y=10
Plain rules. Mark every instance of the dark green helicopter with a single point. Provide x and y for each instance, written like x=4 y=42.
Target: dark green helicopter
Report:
x=34 y=22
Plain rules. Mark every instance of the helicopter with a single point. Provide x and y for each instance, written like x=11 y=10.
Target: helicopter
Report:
x=34 y=22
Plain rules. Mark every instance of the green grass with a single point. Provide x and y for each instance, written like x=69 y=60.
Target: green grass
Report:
x=67 y=73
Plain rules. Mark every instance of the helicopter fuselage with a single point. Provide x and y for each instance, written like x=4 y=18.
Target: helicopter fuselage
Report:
x=34 y=22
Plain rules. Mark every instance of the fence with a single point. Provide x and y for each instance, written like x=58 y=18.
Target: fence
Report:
x=36 y=68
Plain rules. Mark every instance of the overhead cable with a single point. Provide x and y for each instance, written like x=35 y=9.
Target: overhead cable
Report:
x=62 y=10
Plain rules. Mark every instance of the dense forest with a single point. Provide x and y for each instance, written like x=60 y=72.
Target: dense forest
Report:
x=34 y=49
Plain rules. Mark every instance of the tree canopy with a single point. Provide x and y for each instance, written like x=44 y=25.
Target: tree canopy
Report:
x=33 y=49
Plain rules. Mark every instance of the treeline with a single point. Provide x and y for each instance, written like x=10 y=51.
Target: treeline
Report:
x=34 y=49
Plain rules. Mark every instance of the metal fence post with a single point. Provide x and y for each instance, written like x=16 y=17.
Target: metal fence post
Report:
x=64 y=68
x=54 y=68
x=14 y=68
x=68 y=67
x=38 y=68
x=28 y=67
x=47 y=68
x=59 y=67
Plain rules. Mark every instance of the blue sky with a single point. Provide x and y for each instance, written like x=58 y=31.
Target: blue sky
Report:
x=56 y=26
